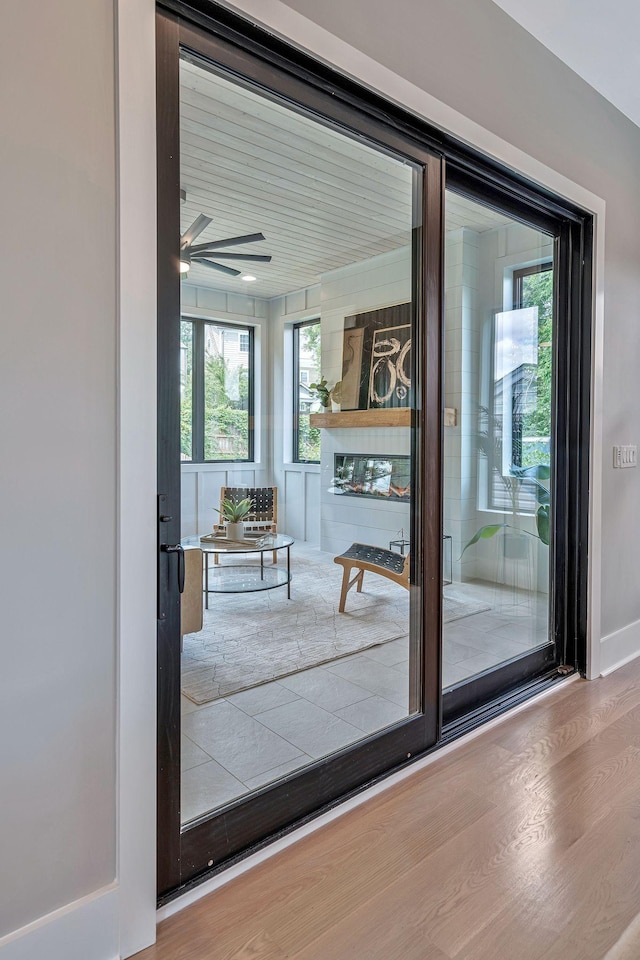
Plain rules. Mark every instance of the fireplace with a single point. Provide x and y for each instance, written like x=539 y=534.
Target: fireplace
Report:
x=375 y=476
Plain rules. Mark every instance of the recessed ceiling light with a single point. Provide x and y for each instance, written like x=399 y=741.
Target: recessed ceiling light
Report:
x=248 y=277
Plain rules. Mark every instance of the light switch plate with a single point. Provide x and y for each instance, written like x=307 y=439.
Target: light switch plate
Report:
x=625 y=455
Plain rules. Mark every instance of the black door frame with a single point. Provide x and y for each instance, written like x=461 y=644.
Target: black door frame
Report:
x=246 y=51
x=190 y=853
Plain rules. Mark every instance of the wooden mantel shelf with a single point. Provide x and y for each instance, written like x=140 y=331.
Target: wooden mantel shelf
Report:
x=362 y=418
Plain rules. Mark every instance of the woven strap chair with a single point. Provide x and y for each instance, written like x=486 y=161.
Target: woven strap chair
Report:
x=361 y=557
x=263 y=516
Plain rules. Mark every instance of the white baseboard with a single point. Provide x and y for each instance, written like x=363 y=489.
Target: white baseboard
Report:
x=619 y=648
x=86 y=929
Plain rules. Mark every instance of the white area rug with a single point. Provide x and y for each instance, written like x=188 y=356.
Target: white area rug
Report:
x=252 y=638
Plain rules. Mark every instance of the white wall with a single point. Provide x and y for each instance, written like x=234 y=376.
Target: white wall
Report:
x=298 y=483
x=462 y=339
x=58 y=441
x=377 y=282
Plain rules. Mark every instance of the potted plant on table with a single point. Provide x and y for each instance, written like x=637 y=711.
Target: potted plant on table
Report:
x=233 y=513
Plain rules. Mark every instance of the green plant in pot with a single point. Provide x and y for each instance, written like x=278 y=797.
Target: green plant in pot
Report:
x=327 y=394
x=517 y=475
x=323 y=392
x=233 y=513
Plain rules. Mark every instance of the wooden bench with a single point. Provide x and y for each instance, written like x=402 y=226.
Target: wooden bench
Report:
x=361 y=557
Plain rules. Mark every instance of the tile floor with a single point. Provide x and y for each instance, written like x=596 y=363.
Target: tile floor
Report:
x=249 y=739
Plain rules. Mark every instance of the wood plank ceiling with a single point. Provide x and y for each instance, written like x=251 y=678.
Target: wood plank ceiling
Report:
x=322 y=199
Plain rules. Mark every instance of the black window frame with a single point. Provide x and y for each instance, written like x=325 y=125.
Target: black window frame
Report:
x=197 y=387
x=297 y=327
x=519 y=273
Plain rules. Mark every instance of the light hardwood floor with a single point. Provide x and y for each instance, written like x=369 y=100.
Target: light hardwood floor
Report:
x=521 y=845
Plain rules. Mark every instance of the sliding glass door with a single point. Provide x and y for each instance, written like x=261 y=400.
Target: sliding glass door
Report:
x=301 y=659
x=373 y=436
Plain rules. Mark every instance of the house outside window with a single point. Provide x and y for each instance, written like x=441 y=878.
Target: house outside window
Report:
x=216 y=401
x=517 y=431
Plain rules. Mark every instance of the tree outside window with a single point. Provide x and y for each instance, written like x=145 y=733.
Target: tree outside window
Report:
x=516 y=435
x=216 y=413
x=306 y=363
x=533 y=288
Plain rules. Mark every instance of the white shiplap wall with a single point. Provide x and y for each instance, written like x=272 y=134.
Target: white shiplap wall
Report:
x=461 y=365
x=298 y=483
x=378 y=282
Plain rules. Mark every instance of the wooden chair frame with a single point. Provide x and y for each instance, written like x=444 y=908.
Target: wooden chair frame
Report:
x=348 y=561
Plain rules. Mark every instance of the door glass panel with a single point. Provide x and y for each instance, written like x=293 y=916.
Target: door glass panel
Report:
x=286 y=220
x=498 y=438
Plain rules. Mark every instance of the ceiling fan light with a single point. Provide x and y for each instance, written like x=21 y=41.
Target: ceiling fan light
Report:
x=248 y=277
x=185 y=266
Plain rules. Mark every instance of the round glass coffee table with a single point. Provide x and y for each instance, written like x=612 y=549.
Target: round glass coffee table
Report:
x=243 y=577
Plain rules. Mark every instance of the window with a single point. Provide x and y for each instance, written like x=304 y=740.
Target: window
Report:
x=306 y=361
x=217 y=371
x=531 y=435
x=522 y=388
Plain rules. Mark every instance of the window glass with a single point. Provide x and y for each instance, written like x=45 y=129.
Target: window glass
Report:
x=226 y=394
x=497 y=438
x=289 y=665
x=216 y=370
x=533 y=290
x=307 y=352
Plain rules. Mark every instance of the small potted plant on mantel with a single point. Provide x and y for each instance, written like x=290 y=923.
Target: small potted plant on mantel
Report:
x=328 y=396
x=233 y=513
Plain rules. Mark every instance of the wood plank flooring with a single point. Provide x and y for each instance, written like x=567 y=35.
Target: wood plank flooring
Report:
x=523 y=844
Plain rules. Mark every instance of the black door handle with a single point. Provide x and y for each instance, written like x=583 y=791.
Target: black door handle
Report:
x=177 y=548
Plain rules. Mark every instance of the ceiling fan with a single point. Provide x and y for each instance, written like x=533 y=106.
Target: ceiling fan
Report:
x=202 y=252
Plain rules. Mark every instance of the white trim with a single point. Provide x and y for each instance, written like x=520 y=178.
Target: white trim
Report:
x=70 y=933
x=279 y=845
x=619 y=648
x=299 y=316
x=136 y=186
x=234 y=319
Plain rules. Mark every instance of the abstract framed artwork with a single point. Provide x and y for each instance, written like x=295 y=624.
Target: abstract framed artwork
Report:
x=376 y=359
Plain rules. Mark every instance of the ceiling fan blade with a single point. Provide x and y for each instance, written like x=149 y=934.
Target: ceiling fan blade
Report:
x=216 y=266
x=230 y=242
x=199 y=224
x=219 y=255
